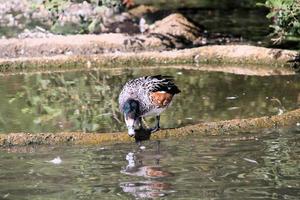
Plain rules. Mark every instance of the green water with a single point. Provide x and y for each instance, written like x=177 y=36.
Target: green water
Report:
x=186 y=168
x=87 y=100
x=265 y=166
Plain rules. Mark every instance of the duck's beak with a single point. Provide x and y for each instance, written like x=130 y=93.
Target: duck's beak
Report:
x=131 y=131
x=130 y=126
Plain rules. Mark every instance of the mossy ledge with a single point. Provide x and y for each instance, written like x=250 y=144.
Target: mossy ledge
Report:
x=229 y=54
x=219 y=128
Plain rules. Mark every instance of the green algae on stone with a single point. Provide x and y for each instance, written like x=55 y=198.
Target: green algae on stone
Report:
x=228 y=127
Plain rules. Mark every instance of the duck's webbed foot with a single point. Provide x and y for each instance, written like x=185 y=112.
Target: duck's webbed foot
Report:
x=145 y=133
x=141 y=123
x=142 y=134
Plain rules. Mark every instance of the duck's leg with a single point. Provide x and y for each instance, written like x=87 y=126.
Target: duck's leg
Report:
x=156 y=128
x=140 y=123
x=145 y=125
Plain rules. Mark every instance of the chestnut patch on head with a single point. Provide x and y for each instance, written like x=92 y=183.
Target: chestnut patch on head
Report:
x=161 y=99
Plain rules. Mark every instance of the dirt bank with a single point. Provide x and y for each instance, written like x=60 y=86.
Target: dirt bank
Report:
x=233 y=54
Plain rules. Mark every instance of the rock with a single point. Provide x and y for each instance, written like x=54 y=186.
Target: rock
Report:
x=143 y=26
x=12 y=12
x=174 y=31
x=176 y=26
x=88 y=18
x=37 y=32
x=142 y=10
x=76 y=12
x=40 y=13
x=96 y=26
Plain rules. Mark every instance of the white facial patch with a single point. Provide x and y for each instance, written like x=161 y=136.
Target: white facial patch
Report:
x=129 y=122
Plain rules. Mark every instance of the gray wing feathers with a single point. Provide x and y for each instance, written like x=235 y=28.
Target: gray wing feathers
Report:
x=140 y=89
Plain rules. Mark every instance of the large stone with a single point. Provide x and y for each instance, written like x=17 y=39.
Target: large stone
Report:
x=173 y=32
x=142 y=10
x=177 y=28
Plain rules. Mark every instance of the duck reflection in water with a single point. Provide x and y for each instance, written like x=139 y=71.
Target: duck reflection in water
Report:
x=154 y=186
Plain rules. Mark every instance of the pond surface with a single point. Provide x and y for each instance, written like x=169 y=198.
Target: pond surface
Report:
x=265 y=166
x=87 y=100
x=186 y=168
x=237 y=18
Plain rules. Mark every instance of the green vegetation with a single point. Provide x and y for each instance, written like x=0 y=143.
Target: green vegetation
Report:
x=285 y=16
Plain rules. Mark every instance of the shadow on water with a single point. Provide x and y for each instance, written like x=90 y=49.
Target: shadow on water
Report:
x=87 y=100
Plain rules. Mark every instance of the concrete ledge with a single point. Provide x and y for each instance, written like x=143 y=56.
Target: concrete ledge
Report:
x=220 y=128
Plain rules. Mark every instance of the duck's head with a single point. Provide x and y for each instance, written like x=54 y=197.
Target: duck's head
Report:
x=131 y=111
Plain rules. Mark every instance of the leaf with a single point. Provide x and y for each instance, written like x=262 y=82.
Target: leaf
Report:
x=11 y=100
x=35 y=100
x=56 y=161
x=25 y=110
x=271 y=15
x=44 y=83
x=260 y=4
x=52 y=111
x=37 y=120
x=94 y=127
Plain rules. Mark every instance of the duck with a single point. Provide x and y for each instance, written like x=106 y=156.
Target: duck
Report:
x=146 y=96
